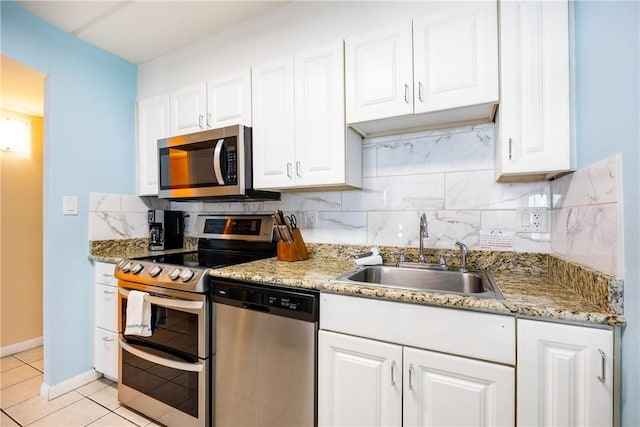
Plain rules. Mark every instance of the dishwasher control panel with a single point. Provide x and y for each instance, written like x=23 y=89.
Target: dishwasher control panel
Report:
x=299 y=304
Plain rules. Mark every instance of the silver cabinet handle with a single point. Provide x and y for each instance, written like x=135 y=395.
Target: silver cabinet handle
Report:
x=411 y=377
x=298 y=168
x=109 y=292
x=510 y=148
x=200 y=118
x=107 y=339
x=420 y=86
x=289 y=170
x=393 y=373
x=603 y=356
x=209 y=120
x=406 y=93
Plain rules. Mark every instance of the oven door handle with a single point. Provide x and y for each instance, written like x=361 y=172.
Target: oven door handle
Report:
x=169 y=303
x=181 y=366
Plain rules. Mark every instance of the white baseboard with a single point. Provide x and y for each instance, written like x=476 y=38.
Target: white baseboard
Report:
x=20 y=347
x=52 y=391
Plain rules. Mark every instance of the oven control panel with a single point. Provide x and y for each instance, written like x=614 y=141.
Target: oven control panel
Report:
x=150 y=273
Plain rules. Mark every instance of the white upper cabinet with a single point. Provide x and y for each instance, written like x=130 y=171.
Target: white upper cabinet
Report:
x=220 y=101
x=565 y=375
x=441 y=70
x=300 y=138
x=229 y=100
x=153 y=124
x=379 y=77
x=534 y=116
x=188 y=109
x=455 y=59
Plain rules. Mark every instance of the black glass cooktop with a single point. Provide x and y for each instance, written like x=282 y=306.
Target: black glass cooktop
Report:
x=203 y=259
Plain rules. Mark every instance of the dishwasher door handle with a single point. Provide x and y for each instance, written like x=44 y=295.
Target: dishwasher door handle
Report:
x=255 y=307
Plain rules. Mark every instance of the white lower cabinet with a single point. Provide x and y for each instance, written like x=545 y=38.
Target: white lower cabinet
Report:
x=368 y=382
x=105 y=343
x=565 y=375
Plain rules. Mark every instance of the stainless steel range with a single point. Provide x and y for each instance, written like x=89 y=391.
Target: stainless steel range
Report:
x=168 y=375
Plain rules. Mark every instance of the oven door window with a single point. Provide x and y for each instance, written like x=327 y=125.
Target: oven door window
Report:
x=174 y=387
x=171 y=330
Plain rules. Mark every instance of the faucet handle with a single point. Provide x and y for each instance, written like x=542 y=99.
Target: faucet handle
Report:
x=443 y=259
x=400 y=255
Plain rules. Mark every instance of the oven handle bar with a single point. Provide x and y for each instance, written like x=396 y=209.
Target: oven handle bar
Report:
x=169 y=303
x=181 y=366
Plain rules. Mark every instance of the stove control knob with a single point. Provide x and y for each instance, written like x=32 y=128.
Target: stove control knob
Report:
x=187 y=275
x=126 y=267
x=175 y=273
x=155 y=271
x=137 y=268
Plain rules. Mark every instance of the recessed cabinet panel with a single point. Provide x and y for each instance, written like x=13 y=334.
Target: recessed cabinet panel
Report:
x=534 y=116
x=153 y=124
x=441 y=389
x=565 y=375
x=456 y=57
x=379 y=75
x=359 y=381
x=188 y=109
x=229 y=100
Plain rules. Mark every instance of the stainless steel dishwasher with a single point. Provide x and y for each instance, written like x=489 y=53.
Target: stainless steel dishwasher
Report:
x=265 y=354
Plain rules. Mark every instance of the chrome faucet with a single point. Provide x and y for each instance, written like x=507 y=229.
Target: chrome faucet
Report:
x=424 y=234
x=464 y=250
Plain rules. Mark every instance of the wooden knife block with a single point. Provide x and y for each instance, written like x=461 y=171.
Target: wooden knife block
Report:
x=293 y=251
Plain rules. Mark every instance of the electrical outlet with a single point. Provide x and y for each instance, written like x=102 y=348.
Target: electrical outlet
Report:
x=531 y=220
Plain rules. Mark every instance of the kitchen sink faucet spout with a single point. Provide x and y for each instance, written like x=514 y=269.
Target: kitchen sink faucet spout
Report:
x=464 y=250
x=424 y=234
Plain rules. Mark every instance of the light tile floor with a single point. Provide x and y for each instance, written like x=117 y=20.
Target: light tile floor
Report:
x=95 y=404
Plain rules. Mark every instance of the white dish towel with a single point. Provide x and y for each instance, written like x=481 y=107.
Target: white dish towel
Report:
x=138 y=314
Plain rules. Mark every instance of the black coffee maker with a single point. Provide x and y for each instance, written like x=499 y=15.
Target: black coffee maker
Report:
x=166 y=229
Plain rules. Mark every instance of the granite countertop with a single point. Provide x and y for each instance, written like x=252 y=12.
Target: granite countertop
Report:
x=525 y=294
x=533 y=285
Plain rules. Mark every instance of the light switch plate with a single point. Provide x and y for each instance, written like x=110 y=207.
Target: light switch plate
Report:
x=70 y=205
x=531 y=220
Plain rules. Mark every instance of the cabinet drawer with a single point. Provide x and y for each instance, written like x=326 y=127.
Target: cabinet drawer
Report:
x=105 y=352
x=106 y=307
x=478 y=335
x=104 y=273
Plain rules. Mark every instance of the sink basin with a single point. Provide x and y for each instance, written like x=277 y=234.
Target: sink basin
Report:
x=477 y=282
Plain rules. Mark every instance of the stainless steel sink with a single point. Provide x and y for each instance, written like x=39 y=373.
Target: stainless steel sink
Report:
x=477 y=283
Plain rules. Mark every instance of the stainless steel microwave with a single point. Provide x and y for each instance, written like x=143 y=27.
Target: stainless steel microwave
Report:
x=212 y=164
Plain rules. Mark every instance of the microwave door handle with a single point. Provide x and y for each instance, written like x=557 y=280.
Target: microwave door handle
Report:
x=216 y=161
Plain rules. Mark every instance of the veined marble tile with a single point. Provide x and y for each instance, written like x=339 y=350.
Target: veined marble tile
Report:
x=100 y=202
x=133 y=204
x=307 y=201
x=436 y=151
x=595 y=184
x=444 y=227
x=416 y=192
x=107 y=225
x=337 y=227
x=478 y=190
x=590 y=236
x=233 y=207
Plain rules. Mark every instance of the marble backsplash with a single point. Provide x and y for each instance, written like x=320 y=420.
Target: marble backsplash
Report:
x=587 y=217
x=447 y=174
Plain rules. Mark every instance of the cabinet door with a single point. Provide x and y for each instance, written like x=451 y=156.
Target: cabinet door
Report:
x=229 y=100
x=379 y=74
x=188 y=109
x=319 y=116
x=273 y=124
x=105 y=353
x=534 y=122
x=153 y=124
x=456 y=57
x=565 y=375
x=440 y=389
x=359 y=381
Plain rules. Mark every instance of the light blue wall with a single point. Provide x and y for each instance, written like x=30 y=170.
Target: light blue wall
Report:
x=88 y=147
x=607 y=122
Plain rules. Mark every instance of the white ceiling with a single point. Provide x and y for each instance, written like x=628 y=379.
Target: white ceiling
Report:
x=141 y=30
